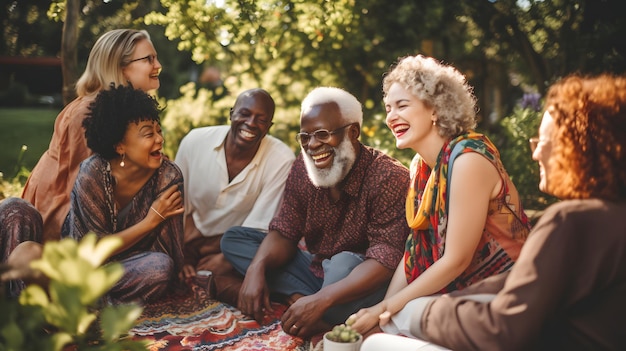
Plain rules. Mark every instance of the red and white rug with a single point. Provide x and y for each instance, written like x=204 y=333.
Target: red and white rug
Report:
x=194 y=321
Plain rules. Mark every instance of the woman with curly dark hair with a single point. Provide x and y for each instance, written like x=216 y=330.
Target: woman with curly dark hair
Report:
x=119 y=56
x=566 y=290
x=129 y=190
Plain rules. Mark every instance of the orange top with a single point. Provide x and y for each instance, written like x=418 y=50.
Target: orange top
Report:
x=49 y=186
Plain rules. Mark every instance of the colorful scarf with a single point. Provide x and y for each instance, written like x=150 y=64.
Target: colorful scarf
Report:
x=429 y=193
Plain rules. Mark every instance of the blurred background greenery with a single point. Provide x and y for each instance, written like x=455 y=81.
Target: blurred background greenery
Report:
x=211 y=50
x=30 y=127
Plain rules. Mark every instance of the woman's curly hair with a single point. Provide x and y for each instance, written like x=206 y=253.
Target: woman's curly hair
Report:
x=111 y=113
x=589 y=141
x=439 y=86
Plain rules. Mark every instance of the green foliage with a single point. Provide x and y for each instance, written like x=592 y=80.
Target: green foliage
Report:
x=68 y=315
x=195 y=108
x=13 y=186
x=285 y=47
x=24 y=136
x=375 y=133
x=512 y=141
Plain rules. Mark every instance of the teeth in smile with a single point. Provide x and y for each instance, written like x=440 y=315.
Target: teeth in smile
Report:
x=399 y=129
x=320 y=156
x=246 y=134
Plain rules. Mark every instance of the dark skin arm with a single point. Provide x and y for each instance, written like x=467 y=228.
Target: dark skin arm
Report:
x=254 y=297
x=307 y=311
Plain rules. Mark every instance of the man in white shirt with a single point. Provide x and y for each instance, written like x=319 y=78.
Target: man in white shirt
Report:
x=234 y=176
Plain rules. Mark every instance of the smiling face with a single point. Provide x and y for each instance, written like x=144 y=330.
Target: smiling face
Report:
x=144 y=72
x=251 y=119
x=329 y=162
x=142 y=145
x=543 y=152
x=408 y=118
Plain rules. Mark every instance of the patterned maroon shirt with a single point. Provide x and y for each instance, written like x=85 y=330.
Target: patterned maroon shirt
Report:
x=369 y=217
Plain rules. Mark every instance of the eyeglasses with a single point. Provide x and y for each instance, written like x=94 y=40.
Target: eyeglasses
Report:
x=150 y=59
x=322 y=135
x=535 y=141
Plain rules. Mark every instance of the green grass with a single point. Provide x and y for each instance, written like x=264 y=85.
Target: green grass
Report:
x=24 y=126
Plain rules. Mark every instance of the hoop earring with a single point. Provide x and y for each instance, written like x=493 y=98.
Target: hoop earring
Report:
x=122 y=164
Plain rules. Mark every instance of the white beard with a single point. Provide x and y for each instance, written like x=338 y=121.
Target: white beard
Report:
x=344 y=158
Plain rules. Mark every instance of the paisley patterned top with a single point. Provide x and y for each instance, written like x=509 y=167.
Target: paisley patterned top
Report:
x=93 y=209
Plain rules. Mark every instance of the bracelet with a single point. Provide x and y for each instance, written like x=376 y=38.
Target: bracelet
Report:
x=157 y=212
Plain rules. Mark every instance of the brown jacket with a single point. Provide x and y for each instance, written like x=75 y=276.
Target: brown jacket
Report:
x=567 y=291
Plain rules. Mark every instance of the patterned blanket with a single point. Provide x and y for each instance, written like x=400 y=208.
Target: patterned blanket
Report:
x=194 y=321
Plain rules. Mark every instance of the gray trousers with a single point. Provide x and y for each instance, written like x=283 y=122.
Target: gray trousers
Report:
x=240 y=244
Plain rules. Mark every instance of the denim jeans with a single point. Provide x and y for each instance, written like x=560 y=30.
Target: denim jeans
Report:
x=240 y=244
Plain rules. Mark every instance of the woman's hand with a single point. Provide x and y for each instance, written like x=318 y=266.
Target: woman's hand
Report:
x=384 y=318
x=169 y=203
x=367 y=318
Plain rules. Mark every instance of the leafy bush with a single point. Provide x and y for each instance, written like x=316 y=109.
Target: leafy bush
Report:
x=512 y=142
x=195 y=108
x=67 y=315
x=10 y=187
x=375 y=133
x=13 y=186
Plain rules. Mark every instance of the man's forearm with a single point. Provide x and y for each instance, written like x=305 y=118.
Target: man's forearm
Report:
x=275 y=251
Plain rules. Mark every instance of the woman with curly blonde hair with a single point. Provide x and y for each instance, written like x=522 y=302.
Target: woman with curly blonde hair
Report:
x=566 y=290
x=465 y=213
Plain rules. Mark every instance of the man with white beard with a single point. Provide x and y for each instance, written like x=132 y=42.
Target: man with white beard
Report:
x=346 y=200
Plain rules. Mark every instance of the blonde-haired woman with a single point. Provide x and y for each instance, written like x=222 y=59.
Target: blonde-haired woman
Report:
x=120 y=56
x=465 y=213
x=566 y=290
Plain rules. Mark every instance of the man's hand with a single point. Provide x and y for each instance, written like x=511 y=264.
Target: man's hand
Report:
x=254 y=296
x=189 y=272
x=303 y=317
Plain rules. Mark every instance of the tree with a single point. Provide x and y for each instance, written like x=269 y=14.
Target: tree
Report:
x=69 y=56
x=89 y=19
x=545 y=40
x=26 y=31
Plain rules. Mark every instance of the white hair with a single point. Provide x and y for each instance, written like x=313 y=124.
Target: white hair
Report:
x=349 y=106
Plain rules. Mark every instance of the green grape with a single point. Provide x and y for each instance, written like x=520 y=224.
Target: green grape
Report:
x=343 y=333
